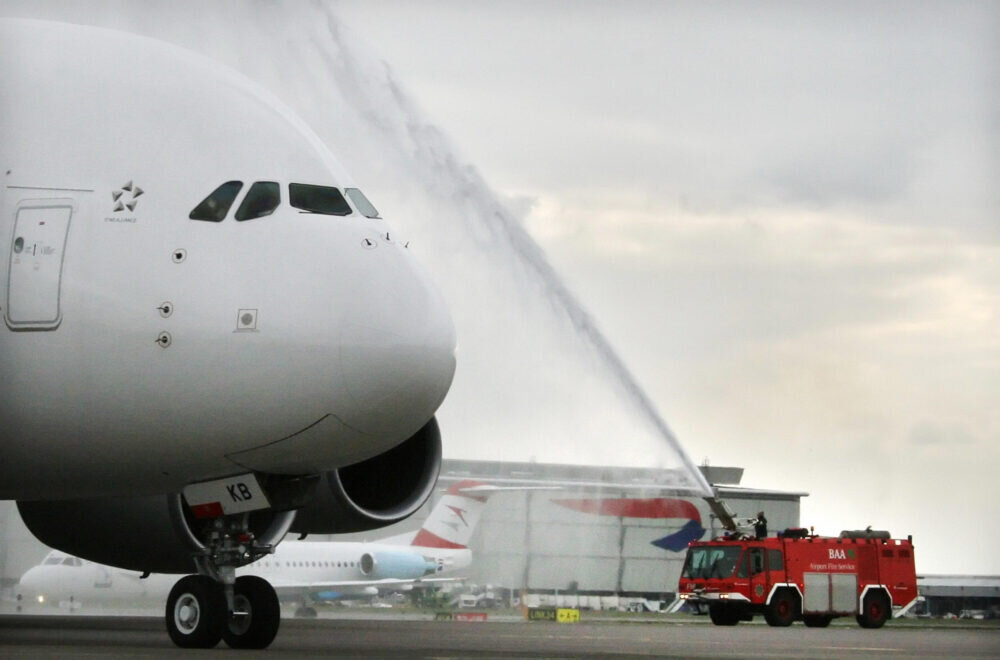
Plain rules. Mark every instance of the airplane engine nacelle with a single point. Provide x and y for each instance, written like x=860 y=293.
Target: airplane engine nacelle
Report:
x=377 y=492
x=381 y=564
x=152 y=533
x=157 y=533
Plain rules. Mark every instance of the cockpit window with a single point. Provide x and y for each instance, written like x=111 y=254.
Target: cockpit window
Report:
x=215 y=207
x=364 y=206
x=51 y=561
x=262 y=198
x=318 y=199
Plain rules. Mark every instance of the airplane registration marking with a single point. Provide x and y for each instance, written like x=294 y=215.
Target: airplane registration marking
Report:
x=210 y=499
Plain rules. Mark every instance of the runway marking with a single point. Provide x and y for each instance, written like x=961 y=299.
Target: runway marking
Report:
x=60 y=652
x=873 y=649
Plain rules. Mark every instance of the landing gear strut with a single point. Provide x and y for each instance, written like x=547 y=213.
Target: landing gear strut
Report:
x=215 y=604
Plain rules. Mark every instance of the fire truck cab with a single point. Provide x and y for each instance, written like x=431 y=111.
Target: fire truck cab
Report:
x=797 y=575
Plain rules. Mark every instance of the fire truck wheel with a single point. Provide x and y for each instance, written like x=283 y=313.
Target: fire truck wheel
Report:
x=782 y=609
x=723 y=616
x=816 y=620
x=874 y=610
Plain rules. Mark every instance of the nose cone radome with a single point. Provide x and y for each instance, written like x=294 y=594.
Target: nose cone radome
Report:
x=397 y=354
x=29 y=586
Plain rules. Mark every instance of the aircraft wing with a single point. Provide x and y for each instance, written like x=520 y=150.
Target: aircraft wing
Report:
x=438 y=580
x=297 y=588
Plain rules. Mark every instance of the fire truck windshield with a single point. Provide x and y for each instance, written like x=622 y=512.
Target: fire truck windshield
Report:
x=711 y=562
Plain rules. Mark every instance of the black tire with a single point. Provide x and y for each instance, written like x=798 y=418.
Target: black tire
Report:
x=874 y=610
x=782 y=610
x=816 y=620
x=722 y=615
x=256 y=628
x=196 y=612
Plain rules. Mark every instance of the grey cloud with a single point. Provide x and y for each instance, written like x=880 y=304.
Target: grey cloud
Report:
x=851 y=170
x=930 y=434
x=848 y=105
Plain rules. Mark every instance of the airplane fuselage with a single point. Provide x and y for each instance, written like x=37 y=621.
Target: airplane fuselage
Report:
x=300 y=571
x=141 y=349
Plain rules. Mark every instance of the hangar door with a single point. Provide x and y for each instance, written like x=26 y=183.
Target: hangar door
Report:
x=36 y=258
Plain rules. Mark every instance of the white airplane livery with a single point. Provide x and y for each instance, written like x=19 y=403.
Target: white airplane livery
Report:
x=299 y=571
x=210 y=337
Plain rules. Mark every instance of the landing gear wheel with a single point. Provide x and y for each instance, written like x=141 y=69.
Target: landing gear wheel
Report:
x=874 y=610
x=255 y=622
x=195 y=612
x=722 y=615
x=816 y=620
x=782 y=609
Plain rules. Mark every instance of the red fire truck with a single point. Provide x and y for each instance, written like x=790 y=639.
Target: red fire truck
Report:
x=798 y=575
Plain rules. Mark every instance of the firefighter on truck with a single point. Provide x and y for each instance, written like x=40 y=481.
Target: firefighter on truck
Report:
x=798 y=575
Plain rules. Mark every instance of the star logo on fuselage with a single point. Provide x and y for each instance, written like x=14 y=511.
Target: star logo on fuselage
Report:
x=126 y=196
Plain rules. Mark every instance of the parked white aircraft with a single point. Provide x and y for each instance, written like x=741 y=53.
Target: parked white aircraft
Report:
x=301 y=571
x=209 y=335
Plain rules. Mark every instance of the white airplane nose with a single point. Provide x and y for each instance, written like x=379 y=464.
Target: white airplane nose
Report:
x=397 y=354
x=379 y=375
x=30 y=585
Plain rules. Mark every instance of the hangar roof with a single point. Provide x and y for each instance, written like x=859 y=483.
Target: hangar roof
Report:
x=598 y=477
x=971 y=586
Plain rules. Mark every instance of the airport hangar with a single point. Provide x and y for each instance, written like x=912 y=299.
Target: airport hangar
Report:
x=559 y=540
x=592 y=531
x=586 y=530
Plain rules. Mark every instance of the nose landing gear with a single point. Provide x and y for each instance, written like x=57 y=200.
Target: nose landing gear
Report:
x=242 y=611
x=197 y=615
x=195 y=609
x=254 y=621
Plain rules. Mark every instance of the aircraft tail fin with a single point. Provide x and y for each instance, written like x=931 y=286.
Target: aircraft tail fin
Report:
x=455 y=516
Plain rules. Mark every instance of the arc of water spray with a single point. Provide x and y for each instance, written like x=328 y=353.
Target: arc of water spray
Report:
x=434 y=154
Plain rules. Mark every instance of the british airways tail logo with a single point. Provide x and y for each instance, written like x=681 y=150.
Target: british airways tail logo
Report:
x=679 y=540
x=656 y=508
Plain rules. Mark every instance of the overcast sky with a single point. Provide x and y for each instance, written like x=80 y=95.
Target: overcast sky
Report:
x=785 y=217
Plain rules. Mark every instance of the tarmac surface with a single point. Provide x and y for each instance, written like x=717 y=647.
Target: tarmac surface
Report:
x=386 y=637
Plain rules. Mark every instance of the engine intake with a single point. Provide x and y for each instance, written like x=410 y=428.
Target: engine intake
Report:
x=376 y=492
